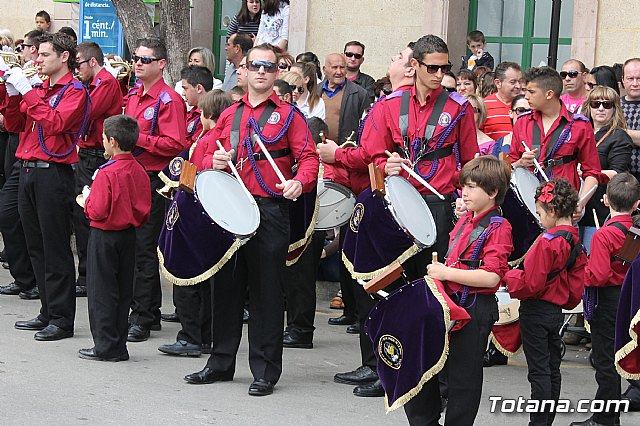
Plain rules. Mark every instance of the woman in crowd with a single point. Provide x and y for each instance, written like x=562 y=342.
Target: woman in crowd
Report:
x=313 y=58
x=486 y=84
x=382 y=87
x=305 y=92
x=203 y=57
x=284 y=64
x=274 y=24
x=519 y=106
x=247 y=20
x=466 y=82
x=485 y=143
x=602 y=76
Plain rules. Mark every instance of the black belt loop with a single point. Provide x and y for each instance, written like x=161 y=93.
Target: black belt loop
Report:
x=37 y=164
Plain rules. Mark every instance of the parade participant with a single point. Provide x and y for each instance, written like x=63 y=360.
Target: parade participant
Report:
x=106 y=100
x=118 y=202
x=476 y=261
x=283 y=90
x=258 y=264
x=507 y=80
x=552 y=280
x=561 y=140
x=603 y=277
x=160 y=113
x=354 y=52
x=196 y=81
x=53 y=118
x=519 y=106
x=573 y=74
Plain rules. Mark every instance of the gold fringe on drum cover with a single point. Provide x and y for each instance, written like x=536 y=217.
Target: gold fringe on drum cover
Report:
x=307 y=236
x=371 y=275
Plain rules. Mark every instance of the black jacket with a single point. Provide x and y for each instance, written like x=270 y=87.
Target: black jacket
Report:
x=355 y=101
x=367 y=83
x=486 y=60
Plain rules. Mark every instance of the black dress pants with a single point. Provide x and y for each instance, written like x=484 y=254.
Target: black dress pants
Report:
x=44 y=203
x=258 y=265
x=193 y=305
x=347 y=284
x=110 y=268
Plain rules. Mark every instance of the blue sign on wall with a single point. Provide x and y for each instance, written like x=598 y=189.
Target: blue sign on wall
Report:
x=99 y=23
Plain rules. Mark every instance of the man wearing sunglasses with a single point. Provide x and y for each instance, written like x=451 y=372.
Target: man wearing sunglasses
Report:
x=508 y=82
x=354 y=52
x=259 y=263
x=574 y=74
x=161 y=116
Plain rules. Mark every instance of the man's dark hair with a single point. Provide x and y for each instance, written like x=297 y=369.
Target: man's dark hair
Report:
x=429 y=44
x=237 y=90
x=263 y=46
x=617 y=69
x=44 y=14
x=581 y=65
x=244 y=41
x=33 y=37
x=354 y=43
x=313 y=58
x=475 y=35
x=70 y=32
x=283 y=87
x=90 y=49
x=489 y=173
x=501 y=70
x=546 y=78
x=317 y=125
x=61 y=43
x=155 y=44
x=195 y=74
x=123 y=129
x=623 y=191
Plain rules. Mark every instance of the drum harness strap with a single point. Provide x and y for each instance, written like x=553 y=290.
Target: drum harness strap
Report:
x=487 y=225
x=415 y=151
x=557 y=139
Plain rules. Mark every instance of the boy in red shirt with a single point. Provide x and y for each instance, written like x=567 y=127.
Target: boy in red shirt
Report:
x=603 y=278
x=119 y=202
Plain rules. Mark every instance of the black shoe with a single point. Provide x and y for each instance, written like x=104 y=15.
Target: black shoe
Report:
x=170 y=317
x=374 y=389
x=342 y=320
x=31 y=325
x=138 y=333
x=206 y=348
x=443 y=404
x=31 y=294
x=90 y=354
x=155 y=327
x=181 y=347
x=206 y=376
x=361 y=376
x=12 y=289
x=633 y=405
x=289 y=341
x=587 y=422
x=354 y=328
x=494 y=357
x=261 y=387
x=81 y=291
x=52 y=332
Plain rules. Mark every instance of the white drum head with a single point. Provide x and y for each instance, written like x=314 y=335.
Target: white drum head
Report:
x=336 y=204
x=410 y=210
x=508 y=308
x=526 y=184
x=226 y=202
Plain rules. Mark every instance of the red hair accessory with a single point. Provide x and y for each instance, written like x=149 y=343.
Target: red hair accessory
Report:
x=546 y=193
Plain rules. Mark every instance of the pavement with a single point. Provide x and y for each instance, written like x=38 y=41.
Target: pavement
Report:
x=46 y=382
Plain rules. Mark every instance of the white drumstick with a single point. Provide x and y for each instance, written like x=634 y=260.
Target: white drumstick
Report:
x=595 y=219
x=535 y=162
x=256 y=139
x=235 y=173
x=587 y=195
x=417 y=177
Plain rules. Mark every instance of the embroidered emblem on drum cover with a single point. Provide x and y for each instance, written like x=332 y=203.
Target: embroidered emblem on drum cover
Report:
x=356 y=217
x=52 y=100
x=274 y=118
x=172 y=216
x=445 y=119
x=390 y=351
x=148 y=113
x=175 y=166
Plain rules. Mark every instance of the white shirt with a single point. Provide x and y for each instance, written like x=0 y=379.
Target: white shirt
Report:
x=319 y=110
x=274 y=29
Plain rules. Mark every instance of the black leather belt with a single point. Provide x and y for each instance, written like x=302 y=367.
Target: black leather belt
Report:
x=270 y=200
x=432 y=198
x=437 y=154
x=471 y=263
x=552 y=162
x=92 y=152
x=36 y=164
x=274 y=154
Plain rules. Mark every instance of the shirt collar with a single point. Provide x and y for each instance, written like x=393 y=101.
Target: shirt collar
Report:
x=431 y=97
x=622 y=218
x=65 y=79
x=332 y=93
x=125 y=156
x=477 y=219
x=155 y=90
x=273 y=98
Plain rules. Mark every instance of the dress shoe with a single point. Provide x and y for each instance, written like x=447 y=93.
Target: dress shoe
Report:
x=289 y=341
x=261 y=387
x=336 y=303
x=494 y=357
x=138 y=333
x=155 y=327
x=91 y=355
x=634 y=405
x=361 y=376
x=31 y=294
x=342 y=320
x=206 y=348
x=31 y=325
x=181 y=347
x=170 y=317
x=52 y=332
x=206 y=376
x=354 y=328
x=12 y=289
x=374 y=389
x=589 y=422
x=81 y=291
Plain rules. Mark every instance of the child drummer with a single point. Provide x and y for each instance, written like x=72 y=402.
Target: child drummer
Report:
x=476 y=261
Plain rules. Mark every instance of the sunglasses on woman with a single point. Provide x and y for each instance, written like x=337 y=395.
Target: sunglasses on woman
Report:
x=520 y=110
x=605 y=104
x=269 y=67
x=298 y=89
x=283 y=66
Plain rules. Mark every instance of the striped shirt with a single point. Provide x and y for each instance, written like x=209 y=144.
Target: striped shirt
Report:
x=498 y=123
x=250 y=27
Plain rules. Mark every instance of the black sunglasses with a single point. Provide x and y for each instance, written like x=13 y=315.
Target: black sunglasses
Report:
x=298 y=89
x=144 y=59
x=283 y=66
x=449 y=89
x=387 y=92
x=269 y=67
x=520 y=110
x=432 y=69
x=82 y=62
x=352 y=55
x=605 y=104
x=572 y=74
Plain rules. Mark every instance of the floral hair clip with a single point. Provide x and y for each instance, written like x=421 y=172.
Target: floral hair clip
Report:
x=546 y=193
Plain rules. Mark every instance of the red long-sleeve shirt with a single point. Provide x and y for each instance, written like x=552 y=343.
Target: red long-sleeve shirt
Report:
x=549 y=254
x=59 y=126
x=581 y=142
x=384 y=134
x=297 y=138
x=120 y=195
x=194 y=125
x=602 y=271
x=169 y=137
x=106 y=101
x=198 y=151
x=494 y=253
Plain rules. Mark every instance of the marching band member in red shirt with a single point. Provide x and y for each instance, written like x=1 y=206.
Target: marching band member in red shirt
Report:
x=161 y=116
x=552 y=280
x=52 y=119
x=196 y=81
x=118 y=202
x=106 y=100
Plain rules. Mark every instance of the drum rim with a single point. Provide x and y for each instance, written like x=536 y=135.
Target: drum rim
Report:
x=251 y=200
x=349 y=197
x=523 y=171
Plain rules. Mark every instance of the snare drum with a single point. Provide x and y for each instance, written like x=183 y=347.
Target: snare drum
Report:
x=508 y=308
x=336 y=204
